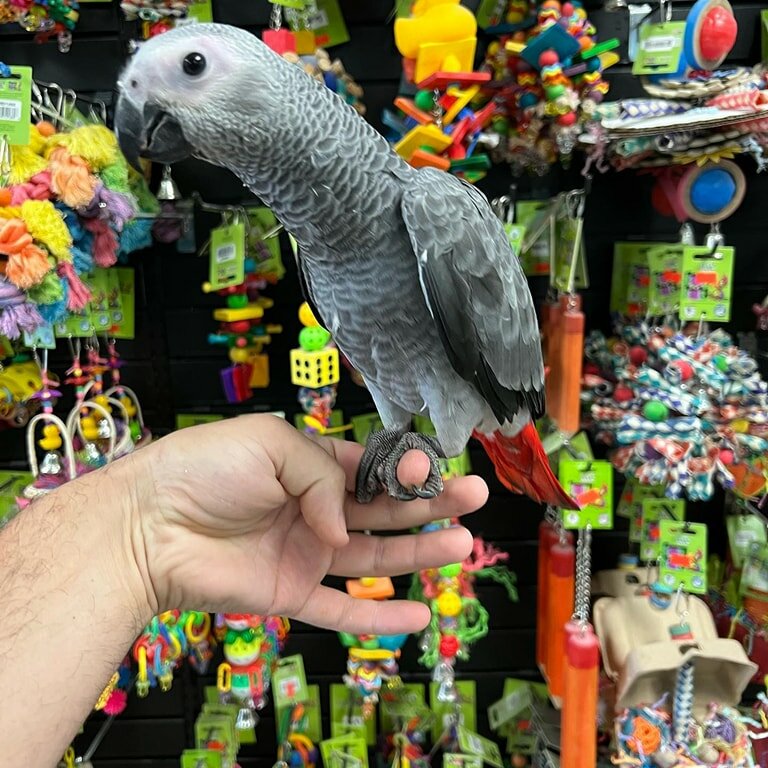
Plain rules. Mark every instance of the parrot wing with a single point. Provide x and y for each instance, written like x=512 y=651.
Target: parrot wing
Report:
x=305 y=289
x=476 y=291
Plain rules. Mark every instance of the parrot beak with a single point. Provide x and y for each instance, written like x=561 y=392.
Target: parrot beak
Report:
x=151 y=133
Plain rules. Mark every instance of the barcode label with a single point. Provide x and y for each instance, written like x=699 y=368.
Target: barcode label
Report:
x=659 y=44
x=10 y=110
x=226 y=252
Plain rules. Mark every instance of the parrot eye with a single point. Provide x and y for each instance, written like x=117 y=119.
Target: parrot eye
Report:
x=194 y=64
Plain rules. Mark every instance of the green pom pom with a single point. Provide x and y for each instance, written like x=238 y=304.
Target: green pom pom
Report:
x=553 y=92
x=450 y=571
x=424 y=100
x=653 y=410
x=721 y=362
x=313 y=339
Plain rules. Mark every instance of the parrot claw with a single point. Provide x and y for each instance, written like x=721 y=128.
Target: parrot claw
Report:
x=378 y=466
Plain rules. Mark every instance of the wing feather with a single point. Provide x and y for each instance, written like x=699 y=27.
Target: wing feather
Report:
x=476 y=291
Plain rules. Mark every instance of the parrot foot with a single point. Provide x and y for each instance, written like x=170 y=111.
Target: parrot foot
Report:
x=378 y=466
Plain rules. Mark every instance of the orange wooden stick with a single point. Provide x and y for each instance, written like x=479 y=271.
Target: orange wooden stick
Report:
x=578 y=736
x=548 y=537
x=567 y=406
x=560 y=585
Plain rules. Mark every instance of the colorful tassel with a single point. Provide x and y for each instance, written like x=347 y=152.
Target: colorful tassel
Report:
x=71 y=178
x=47 y=227
x=78 y=293
x=104 y=242
x=16 y=313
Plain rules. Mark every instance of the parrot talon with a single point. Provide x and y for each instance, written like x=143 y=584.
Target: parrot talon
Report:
x=378 y=466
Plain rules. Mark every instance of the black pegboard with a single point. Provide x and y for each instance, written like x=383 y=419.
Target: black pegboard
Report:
x=173 y=369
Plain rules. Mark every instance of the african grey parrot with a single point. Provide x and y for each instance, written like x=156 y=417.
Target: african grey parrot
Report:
x=410 y=270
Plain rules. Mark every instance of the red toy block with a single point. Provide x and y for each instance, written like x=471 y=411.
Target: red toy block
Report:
x=441 y=80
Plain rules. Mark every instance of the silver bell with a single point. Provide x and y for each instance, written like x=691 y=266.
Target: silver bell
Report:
x=168 y=191
x=246 y=719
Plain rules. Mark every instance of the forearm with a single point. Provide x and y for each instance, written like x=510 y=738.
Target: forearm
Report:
x=71 y=602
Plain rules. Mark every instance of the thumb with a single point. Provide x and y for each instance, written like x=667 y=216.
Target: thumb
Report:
x=310 y=474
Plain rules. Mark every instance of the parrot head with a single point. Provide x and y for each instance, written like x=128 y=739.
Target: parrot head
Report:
x=196 y=91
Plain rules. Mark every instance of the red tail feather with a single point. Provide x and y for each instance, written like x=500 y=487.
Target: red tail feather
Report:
x=522 y=466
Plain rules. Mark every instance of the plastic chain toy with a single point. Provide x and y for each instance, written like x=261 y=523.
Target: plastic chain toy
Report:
x=315 y=369
x=164 y=643
x=372 y=659
x=46 y=18
x=458 y=618
x=251 y=647
x=678 y=410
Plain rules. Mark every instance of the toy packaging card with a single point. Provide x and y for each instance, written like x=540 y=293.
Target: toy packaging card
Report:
x=348 y=751
x=683 y=556
x=707 y=284
x=444 y=711
x=655 y=510
x=590 y=483
x=347 y=715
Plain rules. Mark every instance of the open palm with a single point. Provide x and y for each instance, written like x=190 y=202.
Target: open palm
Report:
x=249 y=515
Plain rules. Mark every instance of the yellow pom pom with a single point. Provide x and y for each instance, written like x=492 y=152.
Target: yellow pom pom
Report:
x=24 y=164
x=46 y=225
x=741 y=426
x=96 y=144
x=37 y=141
x=307 y=317
x=449 y=604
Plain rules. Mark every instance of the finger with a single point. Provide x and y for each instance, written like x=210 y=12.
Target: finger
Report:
x=395 y=555
x=309 y=473
x=413 y=469
x=331 y=609
x=460 y=497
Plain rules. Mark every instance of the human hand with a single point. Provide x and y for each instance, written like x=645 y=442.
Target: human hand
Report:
x=248 y=515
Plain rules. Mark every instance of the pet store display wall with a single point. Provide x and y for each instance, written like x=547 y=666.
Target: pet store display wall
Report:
x=174 y=370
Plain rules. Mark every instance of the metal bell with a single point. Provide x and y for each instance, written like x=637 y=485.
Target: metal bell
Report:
x=51 y=464
x=168 y=191
x=246 y=719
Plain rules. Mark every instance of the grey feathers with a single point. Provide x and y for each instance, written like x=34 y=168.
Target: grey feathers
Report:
x=476 y=292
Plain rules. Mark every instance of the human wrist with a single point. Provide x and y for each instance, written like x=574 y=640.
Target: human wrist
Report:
x=112 y=524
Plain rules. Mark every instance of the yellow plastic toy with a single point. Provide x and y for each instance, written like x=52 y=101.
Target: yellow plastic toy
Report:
x=90 y=428
x=440 y=36
x=313 y=364
x=51 y=439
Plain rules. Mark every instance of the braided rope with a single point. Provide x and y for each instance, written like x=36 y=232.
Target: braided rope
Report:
x=682 y=710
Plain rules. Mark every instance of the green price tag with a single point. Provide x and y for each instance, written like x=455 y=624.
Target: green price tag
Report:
x=683 y=556
x=764 y=33
x=654 y=511
x=475 y=744
x=535 y=259
x=446 y=712
x=200 y=11
x=15 y=106
x=12 y=485
x=114 y=298
x=348 y=751
x=665 y=278
x=216 y=728
x=201 y=758
x=328 y=24
x=347 y=715
x=457 y=760
x=754 y=576
x=707 y=283
x=509 y=707
x=101 y=317
x=262 y=221
x=311 y=722
x=570 y=255
x=227 y=261
x=77 y=324
x=631 y=500
x=659 y=48
x=126 y=281
x=405 y=702
x=490 y=13
x=42 y=338
x=744 y=533
x=630 y=264
x=590 y=483
x=289 y=682
x=231 y=711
